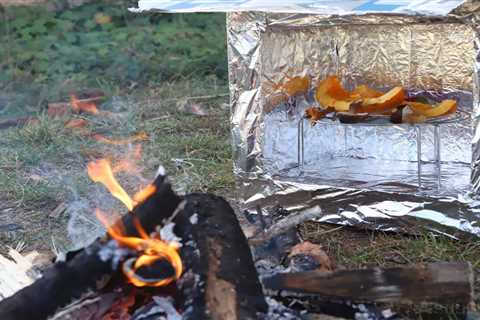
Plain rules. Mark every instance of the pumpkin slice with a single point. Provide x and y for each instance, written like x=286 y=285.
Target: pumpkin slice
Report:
x=427 y=110
x=331 y=94
x=362 y=91
x=387 y=101
x=412 y=117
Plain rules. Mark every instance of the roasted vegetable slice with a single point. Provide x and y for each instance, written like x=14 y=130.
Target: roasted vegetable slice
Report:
x=427 y=110
x=362 y=91
x=314 y=114
x=387 y=101
x=330 y=93
x=409 y=116
x=295 y=86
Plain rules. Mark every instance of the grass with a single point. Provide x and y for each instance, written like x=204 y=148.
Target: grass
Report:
x=44 y=164
x=382 y=249
x=353 y=248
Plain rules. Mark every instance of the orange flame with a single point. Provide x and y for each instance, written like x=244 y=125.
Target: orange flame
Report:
x=101 y=171
x=150 y=249
x=83 y=105
x=143 y=194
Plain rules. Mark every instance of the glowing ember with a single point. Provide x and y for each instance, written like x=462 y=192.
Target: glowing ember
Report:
x=83 y=105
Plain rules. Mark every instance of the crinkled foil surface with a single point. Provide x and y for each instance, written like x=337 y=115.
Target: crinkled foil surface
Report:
x=358 y=174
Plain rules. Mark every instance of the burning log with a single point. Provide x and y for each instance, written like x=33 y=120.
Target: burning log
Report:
x=220 y=281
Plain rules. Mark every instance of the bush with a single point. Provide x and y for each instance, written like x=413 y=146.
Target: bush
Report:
x=102 y=41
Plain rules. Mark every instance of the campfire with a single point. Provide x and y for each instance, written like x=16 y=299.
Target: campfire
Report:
x=173 y=257
x=166 y=257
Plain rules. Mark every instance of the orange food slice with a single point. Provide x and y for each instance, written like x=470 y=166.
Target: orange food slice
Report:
x=427 y=110
x=331 y=94
x=363 y=91
x=392 y=99
x=412 y=117
x=314 y=114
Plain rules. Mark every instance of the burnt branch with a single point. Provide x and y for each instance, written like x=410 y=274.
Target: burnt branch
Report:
x=437 y=282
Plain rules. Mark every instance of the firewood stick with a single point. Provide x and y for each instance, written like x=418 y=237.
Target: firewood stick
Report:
x=437 y=282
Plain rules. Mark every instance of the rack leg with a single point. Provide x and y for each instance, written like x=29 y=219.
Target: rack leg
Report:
x=301 y=151
x=436 y=145
x=298 y=144
x=303 y=143
x=419 y=156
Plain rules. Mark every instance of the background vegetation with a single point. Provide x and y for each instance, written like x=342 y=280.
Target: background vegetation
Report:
x=152 y=68
x=47 y=51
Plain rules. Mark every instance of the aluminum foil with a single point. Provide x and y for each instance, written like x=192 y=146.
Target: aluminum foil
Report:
x=358 y=174
x=366 y=175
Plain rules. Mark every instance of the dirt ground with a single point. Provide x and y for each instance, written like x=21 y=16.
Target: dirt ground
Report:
x=47 y=200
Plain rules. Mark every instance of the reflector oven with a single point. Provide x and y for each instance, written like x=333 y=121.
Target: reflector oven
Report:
x=434 y=61
x=372 y=170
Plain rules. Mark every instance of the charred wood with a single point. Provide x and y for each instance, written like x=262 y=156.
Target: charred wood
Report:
x=225 y=285
x=438 y=282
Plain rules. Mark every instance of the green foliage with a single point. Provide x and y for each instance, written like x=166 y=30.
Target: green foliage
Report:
x=102 y=42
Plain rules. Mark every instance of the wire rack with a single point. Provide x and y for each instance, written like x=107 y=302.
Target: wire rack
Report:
x=382 y=121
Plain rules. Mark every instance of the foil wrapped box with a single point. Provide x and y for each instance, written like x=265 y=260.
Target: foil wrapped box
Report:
x=385 y=176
